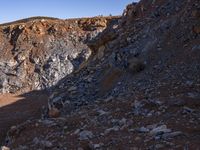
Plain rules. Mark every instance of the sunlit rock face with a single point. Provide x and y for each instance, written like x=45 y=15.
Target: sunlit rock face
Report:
x=36 y=53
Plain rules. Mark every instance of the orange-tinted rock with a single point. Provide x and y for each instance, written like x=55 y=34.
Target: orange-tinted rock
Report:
x=196 y=29
x=196 y=13
x=54 y=113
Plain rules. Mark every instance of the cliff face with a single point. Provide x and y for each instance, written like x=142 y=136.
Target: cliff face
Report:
x=141 y=84
x=36 y=53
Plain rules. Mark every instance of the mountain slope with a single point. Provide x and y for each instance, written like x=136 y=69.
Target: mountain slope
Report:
x=140 y=88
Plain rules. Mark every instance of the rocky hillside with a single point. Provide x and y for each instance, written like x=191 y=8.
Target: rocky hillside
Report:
x=137 y=88
x=37 y=52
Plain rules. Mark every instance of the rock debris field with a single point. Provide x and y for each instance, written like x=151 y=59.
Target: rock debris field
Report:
x=128 y=82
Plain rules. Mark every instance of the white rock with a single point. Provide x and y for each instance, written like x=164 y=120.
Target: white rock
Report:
x=12 y=63
x=72 y=88
x=102 y=112
x=143 y=130
x=109 y=99
x=115 y=128
x=160 y=130
x=5 y=148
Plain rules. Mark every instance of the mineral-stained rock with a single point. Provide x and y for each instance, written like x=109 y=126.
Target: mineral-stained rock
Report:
x=54 y=113
x=43 y=51
x=102 y=101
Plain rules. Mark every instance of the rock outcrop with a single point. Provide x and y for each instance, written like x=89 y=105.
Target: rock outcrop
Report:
x=36 y=53
x=141 y=84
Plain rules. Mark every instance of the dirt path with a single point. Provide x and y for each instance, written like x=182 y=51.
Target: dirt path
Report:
x=15 y=109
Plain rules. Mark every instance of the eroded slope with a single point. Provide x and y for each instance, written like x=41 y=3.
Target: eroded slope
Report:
x=140 y=89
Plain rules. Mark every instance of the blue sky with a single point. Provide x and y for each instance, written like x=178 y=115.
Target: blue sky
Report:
x=11 y=10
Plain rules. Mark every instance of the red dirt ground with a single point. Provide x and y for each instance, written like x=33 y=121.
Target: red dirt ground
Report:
x=15 y=109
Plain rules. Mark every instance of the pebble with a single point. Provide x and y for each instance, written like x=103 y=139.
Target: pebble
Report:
x=172 y=134
x=115 y=128
x=102 y=112
x=159 y=146
x=54 y=113
x=187 y=110
x=159 y=130
x=72 y=88
x=47 y=144
x=142 y=130
x=85 y=135
x=108 y=99
x=96 y=146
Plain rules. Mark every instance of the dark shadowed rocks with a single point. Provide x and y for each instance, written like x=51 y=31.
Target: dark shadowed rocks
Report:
x=133 y=81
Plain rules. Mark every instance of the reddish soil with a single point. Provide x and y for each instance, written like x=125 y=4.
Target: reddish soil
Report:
x=63 y=130
x=15 y=109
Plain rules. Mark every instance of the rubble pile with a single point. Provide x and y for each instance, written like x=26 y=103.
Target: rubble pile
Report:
x=138 y=88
